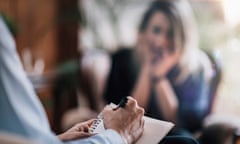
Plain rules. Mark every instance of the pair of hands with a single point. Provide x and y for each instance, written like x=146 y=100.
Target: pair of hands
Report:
x=158 y=60
x=127 y=121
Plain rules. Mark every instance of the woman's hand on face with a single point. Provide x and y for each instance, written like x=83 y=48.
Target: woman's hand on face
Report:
x=167 y=61
x=78 y=131
x=159 y=61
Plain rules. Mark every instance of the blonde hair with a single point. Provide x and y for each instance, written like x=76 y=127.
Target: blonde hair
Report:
x=192 y=57
x=185 y=36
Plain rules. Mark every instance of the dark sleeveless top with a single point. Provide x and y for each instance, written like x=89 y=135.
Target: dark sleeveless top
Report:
x=192 y=94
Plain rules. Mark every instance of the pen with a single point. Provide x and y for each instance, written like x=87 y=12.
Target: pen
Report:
x=122 y=103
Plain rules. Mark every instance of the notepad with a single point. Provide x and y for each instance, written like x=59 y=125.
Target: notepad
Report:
x=154 y=130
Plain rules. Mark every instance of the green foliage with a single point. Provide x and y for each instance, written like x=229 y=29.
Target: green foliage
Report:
x=12 y=26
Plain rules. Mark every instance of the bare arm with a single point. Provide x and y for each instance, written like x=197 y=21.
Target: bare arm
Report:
x=141 y=91
x=167 y=100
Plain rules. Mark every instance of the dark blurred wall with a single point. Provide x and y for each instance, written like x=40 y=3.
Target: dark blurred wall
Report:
x=49 y=29
x=69 y=19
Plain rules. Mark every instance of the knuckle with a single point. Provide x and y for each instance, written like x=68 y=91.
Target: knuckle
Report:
x=141 y=111
x=132 y=102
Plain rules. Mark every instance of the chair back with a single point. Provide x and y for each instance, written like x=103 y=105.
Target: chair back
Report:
x=216 y=77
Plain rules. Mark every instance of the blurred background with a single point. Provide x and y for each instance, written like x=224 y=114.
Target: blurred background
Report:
x=65 y=47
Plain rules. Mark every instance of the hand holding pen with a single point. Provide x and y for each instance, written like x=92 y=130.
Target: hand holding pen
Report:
x=122 y=103
x=126 y=119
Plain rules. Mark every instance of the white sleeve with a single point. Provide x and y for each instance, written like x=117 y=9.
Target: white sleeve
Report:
x=107 y=137
x=20 y=109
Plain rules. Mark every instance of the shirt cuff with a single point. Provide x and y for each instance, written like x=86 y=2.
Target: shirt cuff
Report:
x=113 y=137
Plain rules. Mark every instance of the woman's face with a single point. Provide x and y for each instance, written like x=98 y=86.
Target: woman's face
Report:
x=159 y=34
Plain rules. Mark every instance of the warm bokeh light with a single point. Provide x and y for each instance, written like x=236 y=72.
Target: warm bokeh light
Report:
x=231 y=12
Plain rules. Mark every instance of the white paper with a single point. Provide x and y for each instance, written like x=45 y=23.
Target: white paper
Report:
x=154 y=130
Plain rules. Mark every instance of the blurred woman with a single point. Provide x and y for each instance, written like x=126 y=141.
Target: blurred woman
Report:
x=166 y=72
